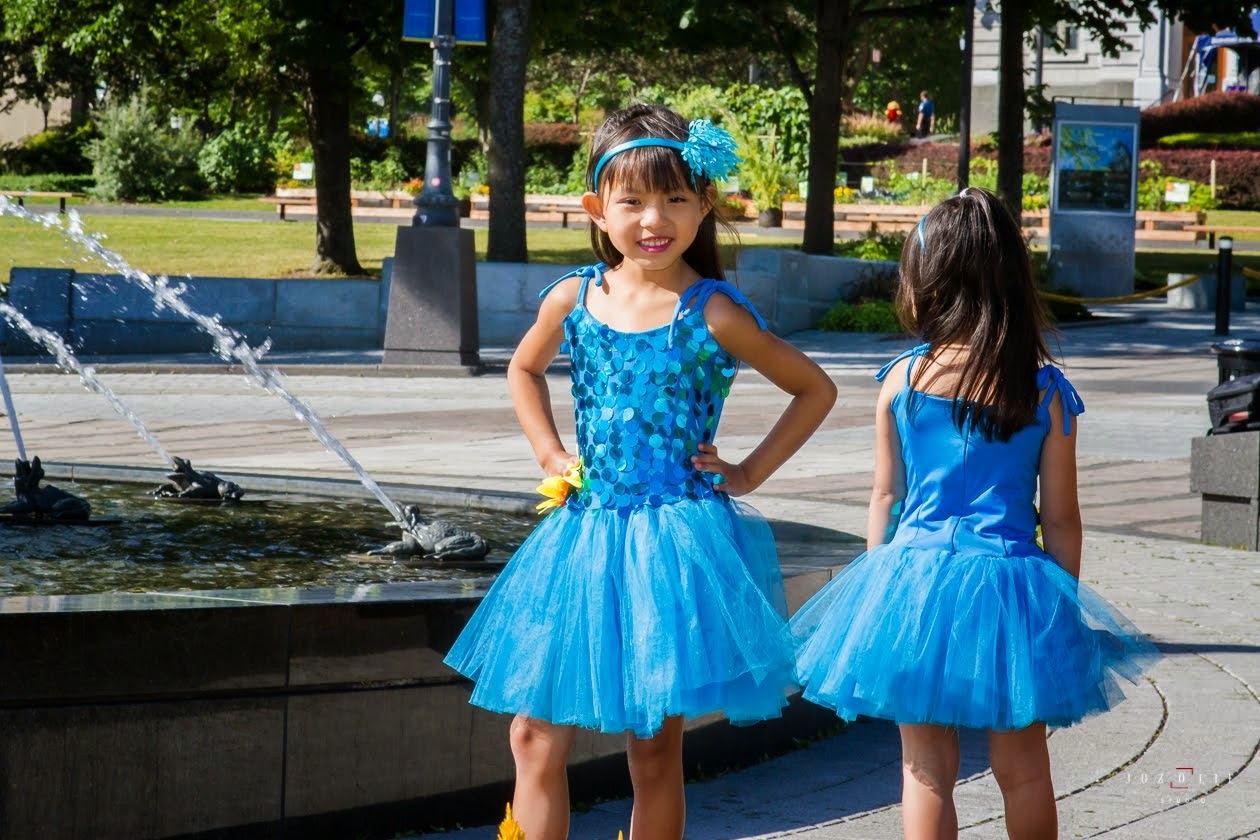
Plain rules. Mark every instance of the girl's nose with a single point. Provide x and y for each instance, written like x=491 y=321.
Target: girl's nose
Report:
x=651 y=213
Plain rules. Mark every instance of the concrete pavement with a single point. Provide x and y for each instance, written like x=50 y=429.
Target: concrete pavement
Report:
x=1177 y=759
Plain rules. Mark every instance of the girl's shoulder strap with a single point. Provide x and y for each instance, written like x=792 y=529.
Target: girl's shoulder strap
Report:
x=913 y=353
x=695 y=296
x=1051 y=380
x=586 y=272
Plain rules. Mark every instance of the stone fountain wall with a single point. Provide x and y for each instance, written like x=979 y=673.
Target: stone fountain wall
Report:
x=281 y=712
x=104 y=314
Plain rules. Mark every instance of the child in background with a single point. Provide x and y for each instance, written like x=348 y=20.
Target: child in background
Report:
x=649 y=595
x=955 y=616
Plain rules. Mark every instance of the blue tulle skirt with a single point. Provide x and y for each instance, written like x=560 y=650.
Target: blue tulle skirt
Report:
x=967 y=640
x=616 y=619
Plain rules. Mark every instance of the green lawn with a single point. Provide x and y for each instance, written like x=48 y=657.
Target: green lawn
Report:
x=214 y=248
x=267 y=247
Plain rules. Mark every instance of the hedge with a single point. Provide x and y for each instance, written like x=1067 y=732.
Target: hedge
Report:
x=1221 y=111
x=1237 y=171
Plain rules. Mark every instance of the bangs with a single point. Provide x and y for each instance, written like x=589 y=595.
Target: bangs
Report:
x=648 y=169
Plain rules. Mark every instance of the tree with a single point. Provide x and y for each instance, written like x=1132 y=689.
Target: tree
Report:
x=194 y=51
x=1105 y=20
x=506 y=142
x=838 y=27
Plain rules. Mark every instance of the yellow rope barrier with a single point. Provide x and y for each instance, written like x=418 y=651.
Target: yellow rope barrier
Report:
x=1194 y=278
x=1250 y=272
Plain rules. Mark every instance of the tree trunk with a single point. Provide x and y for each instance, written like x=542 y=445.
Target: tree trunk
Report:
x=824 y=126
x=1010 y=159
x=505 y=156
x=328 y=120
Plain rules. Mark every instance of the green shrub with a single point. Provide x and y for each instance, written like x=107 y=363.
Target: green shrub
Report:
x=1204 y=140
x=864 y=129
x=137 y=159
x=873 y=245
x=240 y=159
x=48 y=182
x=59 y=149
x=1152 y=184
x=863 y=316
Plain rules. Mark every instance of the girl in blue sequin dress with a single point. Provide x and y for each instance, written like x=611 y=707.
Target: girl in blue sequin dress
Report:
x=650 y=595
x=955 y=616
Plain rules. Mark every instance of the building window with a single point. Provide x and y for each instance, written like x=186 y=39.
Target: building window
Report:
x=1069 y=37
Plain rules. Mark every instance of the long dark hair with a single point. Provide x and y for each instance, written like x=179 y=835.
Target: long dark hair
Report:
x=965 y=279
x=653 y=169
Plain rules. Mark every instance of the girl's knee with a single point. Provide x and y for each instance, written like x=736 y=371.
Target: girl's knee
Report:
x=658 y=756
x=1019 y=758
x=538 y=745
x=930 y=755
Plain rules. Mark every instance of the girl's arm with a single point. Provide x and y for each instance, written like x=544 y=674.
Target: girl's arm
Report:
x=889 y=486
x=527 y=378
x=813 y=393
x=1060 y=509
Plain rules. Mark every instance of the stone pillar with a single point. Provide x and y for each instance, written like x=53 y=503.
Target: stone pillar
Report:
x=432 y=315
x=1225 y=469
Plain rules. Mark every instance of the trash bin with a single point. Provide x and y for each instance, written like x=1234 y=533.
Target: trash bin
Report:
x=1236 y=357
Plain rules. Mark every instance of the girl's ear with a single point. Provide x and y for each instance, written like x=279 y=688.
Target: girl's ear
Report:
x=709 y=197
x=594 y=208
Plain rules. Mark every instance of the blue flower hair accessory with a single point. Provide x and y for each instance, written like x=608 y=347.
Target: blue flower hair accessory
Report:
x=709 y=151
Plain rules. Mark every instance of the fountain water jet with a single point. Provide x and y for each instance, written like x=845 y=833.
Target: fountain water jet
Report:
x=67 y=361
x=8 y=408
x=228 y=343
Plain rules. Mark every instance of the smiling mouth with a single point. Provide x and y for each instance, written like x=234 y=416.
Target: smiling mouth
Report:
x=655 y=244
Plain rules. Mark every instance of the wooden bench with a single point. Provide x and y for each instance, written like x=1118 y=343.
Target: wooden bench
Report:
x=1170 y=225
x=565 y=209
x=1184 y=226
x=1212 y=230
x=22 y=195
x=359 y=199
x=284 y=201
x=858 y=218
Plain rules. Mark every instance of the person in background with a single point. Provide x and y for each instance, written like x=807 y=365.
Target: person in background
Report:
x=927 y=115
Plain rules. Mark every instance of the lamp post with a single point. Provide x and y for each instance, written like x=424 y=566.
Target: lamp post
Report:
x=436 y=205
x=432 y=314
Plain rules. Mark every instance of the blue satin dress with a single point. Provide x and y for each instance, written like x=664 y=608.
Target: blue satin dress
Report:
x=961 y=619
x=647 y=594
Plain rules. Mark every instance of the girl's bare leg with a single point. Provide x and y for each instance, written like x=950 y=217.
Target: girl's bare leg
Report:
x=660 y=808
x=541 y=800
x=1021 y=765
x=929 y=766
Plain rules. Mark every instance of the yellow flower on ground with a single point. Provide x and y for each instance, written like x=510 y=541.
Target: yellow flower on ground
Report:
x=510 y=829
x=557 y=487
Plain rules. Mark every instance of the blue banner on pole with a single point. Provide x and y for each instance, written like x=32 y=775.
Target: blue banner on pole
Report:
x=420 y=20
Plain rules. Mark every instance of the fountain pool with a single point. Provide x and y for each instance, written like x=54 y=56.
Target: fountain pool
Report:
x=135 y=543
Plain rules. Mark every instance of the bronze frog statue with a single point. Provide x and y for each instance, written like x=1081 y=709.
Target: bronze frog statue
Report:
x=43 y=502
x=434 y=538
x=186 y=483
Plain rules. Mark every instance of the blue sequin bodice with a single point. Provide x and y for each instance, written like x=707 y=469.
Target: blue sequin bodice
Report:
x=644 y=401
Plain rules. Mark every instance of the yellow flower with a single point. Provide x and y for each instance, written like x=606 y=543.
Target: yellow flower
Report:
x=510 y=829
x=557 y=487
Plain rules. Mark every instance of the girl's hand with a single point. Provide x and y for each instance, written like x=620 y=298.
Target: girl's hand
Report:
x=557 y=462
x=727 y=477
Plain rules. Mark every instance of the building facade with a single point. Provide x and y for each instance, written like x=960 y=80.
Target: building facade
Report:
x=1148 y=71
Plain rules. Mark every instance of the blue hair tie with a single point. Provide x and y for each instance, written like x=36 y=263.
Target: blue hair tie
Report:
x=709 y=151
x=922 y=240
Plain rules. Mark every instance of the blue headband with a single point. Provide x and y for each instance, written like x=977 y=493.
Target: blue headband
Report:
x=709 y=151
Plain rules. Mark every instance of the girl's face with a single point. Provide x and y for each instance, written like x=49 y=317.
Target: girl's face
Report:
x=651 y=229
